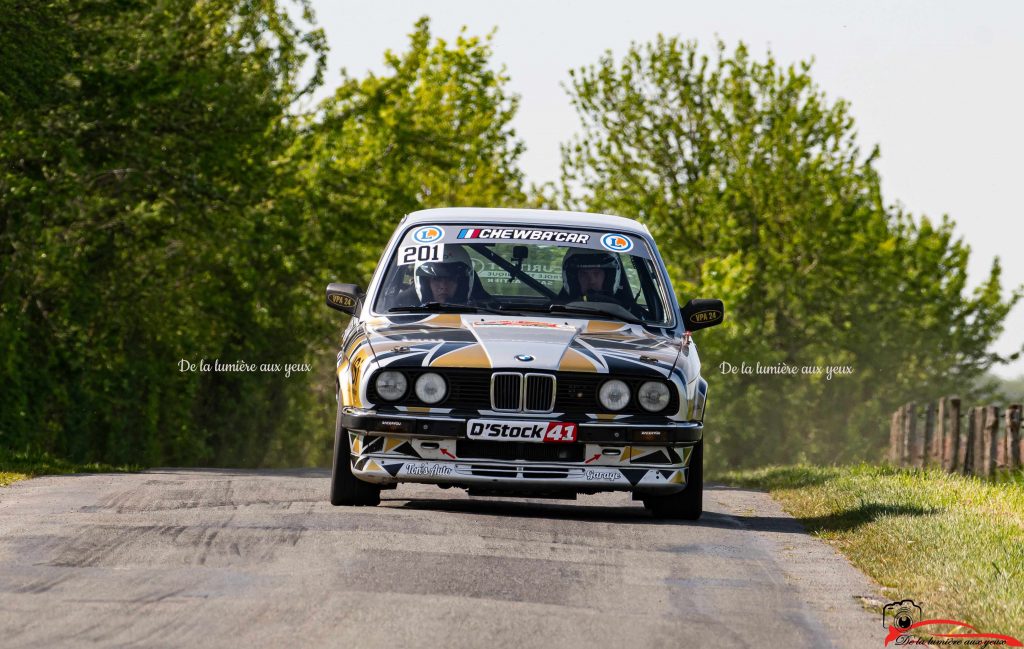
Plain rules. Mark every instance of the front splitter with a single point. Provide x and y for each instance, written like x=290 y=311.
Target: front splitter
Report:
x=521 y=475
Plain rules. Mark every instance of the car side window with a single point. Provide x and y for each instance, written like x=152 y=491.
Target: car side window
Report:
x=399 y=290
x=633 y=283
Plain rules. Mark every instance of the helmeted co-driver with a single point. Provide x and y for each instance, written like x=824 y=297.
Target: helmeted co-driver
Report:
x=591 y=275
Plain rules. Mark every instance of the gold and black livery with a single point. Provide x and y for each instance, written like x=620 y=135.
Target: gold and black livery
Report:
x=414 y=389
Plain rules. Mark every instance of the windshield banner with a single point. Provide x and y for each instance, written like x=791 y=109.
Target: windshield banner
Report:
x=593 y=239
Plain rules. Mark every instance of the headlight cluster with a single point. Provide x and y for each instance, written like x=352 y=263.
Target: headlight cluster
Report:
x=653 y=396
x=430 y=388
x=614 y=395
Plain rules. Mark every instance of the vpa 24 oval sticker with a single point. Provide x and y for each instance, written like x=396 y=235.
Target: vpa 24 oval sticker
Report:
x=517 y=430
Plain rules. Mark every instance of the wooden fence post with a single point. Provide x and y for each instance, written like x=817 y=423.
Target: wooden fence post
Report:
x=968 y=455
x=991 y=440
x=980 y=449
x=906 y=450
x=951 y=460
x=1013 y=442
x=1000 y=454
x=915 y=438
x=928 y=438
x=941 y=430
x=980 y=452
x=894 y=438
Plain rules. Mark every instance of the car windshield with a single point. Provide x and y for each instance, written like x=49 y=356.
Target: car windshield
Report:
x=509 y=269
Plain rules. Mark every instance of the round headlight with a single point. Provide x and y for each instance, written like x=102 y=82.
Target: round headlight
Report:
x=391 y=385
x=614 y=394
x=430 y=388
x=653 y=396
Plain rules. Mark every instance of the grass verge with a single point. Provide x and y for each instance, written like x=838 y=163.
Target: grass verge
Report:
x=953 y=544
x=15 y=466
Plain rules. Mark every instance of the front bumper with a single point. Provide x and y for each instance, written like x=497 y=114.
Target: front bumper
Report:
x=455 y=427
x=608 y=456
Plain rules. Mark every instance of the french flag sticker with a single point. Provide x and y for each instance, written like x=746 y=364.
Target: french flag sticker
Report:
x=469 y=233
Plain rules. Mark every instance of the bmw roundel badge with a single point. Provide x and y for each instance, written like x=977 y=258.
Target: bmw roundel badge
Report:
x=526 y=358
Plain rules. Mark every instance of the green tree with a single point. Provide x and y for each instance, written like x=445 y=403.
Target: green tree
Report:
x=162 y=199
x=758 y=193
x=139 y=226
x=433 y=131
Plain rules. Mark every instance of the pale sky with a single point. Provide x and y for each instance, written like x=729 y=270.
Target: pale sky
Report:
x=936 y=84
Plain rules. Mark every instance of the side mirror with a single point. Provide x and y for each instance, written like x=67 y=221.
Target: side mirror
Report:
x=701 y=313
x=344 y=297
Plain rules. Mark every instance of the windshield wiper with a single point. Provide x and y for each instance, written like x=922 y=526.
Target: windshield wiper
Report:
x=598 y=308
x=441 y=307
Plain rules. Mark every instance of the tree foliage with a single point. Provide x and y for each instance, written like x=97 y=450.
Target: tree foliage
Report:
x=758 y=193
x=139 y=229
x=162 y=200
x=433 y=131
x=162 y=197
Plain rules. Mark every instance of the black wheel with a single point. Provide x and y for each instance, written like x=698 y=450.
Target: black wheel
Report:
x=346 y=489
x=688 y=504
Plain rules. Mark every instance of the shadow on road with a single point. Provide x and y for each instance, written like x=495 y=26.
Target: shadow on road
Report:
x=579 y=510
x=242 y=472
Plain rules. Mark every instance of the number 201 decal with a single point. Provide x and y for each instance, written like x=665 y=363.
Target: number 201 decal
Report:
x=414 y=254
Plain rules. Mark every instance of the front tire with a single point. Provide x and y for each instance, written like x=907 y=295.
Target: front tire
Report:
x=688 y=504
x=346 y=489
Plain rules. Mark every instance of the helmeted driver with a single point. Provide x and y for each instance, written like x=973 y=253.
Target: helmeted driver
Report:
x=448 y=281
x=591 y=275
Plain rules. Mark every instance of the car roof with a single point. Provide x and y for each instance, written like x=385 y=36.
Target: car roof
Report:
x=525 y=217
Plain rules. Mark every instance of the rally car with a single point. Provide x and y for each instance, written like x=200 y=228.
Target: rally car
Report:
x=521 y=353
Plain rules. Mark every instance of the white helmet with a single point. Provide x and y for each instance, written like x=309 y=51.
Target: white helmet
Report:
x=455 y=263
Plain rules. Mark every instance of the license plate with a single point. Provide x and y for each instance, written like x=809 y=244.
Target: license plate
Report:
x=516 y=430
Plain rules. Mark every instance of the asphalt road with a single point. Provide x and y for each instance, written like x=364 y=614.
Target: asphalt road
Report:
x=218 y=558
